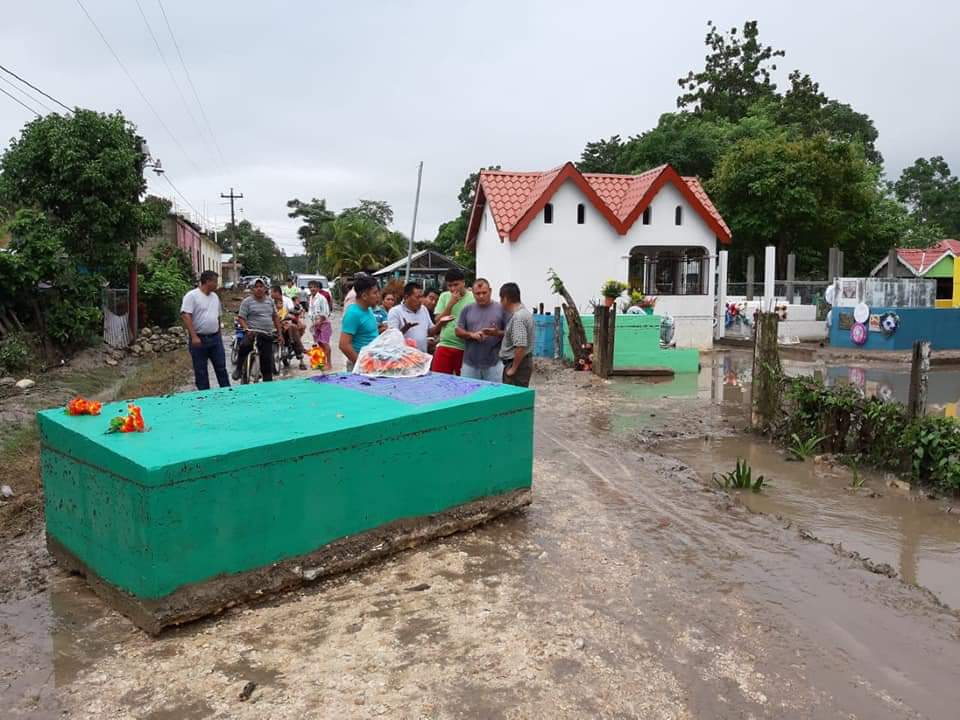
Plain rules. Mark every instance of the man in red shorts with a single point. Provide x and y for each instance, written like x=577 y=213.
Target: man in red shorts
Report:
x=448 y=357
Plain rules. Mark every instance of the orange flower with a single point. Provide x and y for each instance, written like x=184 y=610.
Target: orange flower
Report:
x=132 y=422
x=317 y=358
x=81 y=406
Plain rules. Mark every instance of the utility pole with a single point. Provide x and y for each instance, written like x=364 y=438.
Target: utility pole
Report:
x=233 y=225
x=413 y=231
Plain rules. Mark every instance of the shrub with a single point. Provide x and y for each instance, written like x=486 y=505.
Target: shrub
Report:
x=165 y=281
x=935 y=445
x=877 y=431
x=16 y=353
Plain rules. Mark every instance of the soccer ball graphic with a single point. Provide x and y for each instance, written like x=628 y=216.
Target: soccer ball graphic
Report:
x=889 y=323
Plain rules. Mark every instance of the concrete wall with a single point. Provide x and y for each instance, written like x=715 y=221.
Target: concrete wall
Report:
x=637 y=344
x=940 y=327
x=587 y=255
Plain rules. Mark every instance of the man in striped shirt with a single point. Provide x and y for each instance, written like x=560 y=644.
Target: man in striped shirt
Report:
x=516 y=351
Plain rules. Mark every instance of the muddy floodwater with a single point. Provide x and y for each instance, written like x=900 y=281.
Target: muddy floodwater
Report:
x=916 y=535
x=629 y=589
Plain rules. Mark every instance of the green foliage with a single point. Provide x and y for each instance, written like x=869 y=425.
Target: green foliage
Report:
x=932 y=194
x=259 y=254
x=801 y=449
x=736 y=73
x=806 y=110
x=602 y=156
x=935 y=444
x=452 y=235
x=856 y=482
x=314 y=231
x=164 y=284
x=16 y=353
x=85 y=172
x=798 y=170
x=740 y=478
x=797 y=194
x=377 y=211
x=613 y=288
x=40 y=277
x=358 y=242
x=875 y=431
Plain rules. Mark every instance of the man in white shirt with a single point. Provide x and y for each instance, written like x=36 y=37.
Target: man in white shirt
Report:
x=200 y=311
x=411 y=318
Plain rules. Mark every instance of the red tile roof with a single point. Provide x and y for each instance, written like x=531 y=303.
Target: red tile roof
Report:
x=516 y=197
x=920 y=260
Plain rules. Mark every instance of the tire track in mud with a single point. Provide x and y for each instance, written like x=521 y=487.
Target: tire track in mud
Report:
x=798 y=607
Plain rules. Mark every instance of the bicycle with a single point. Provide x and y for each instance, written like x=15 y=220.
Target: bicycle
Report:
x=238 y=333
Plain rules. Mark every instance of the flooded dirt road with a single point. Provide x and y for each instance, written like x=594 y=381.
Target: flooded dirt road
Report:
x=629 y=589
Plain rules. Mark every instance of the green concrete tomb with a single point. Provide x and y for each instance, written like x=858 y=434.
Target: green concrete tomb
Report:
x=237 y=492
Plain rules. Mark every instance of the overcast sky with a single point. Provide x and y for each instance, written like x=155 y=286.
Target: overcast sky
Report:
x=341 y=100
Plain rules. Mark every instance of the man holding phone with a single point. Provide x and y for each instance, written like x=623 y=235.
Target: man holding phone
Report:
x=448 y=357
x=481 y=327
x=411 y=318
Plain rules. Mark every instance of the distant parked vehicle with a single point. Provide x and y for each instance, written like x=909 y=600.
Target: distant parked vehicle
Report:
x=302 y=280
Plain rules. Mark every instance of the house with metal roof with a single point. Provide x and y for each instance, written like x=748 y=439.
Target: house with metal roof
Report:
x=657 y=231
x=427 y=267
x=937 y=262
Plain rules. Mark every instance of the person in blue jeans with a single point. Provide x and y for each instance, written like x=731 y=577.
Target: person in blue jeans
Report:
x=481 y=327
x=200 y=311
x=359 y=327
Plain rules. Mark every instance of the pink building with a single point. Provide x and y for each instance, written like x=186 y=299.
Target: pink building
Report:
x=203 y=252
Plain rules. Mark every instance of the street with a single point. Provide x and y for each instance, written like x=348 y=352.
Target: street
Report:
x=628 y=589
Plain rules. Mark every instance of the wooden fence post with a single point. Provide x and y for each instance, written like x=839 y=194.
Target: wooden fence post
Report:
x=557 y=334
x=750 y=275
x=765 y=386
x=611 y=337
x=919 y=369
x=604 y=332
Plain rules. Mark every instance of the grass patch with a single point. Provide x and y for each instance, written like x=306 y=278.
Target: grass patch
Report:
x=20 y=448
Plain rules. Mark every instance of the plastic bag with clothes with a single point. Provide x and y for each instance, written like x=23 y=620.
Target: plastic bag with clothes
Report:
x=390 y=356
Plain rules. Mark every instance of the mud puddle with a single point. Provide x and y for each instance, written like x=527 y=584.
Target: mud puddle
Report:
x=918 y=537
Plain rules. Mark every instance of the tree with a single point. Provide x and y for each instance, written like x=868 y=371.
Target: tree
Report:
x=315 y=228
x=806 y=109
x=931 y=193
x=735 y=75
x=452 y=235
x=688 y=142
x=601 y=156
x=357 y=242
x=84 y=171
x=801 y=194
x=40 y=277
x=259 y=255
x=379 y=211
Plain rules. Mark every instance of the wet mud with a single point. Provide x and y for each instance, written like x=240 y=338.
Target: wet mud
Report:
x=628 y=589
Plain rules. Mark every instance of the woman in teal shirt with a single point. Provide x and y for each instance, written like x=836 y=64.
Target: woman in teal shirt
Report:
x=360 y=326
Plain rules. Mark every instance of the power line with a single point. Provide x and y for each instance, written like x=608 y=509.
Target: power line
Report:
x=184 y=198
x=135 y=85
x=25 y=94
x=20 y=102
x=173 y=78
x=30 y=84
x=193 y=87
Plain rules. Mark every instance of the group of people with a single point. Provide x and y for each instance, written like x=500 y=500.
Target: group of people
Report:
x=466 y=331
x=473 y=336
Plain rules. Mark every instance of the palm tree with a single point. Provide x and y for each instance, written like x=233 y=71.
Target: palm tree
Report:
x=356 y=243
